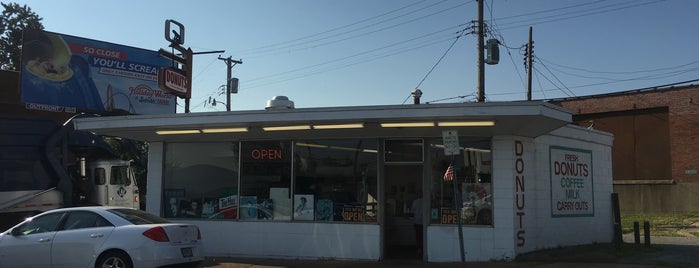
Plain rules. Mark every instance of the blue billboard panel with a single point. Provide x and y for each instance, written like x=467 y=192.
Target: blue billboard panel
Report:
x=67 y=73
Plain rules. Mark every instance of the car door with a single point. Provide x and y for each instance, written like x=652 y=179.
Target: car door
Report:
x=80 y=240
x=29 y=244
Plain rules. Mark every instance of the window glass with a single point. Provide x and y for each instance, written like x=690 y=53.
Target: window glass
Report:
x=137 y=217
x=40 y=224
x=335 y=180
x=100 y=176
x=201 y=180
x=84 y=219
x=265 y=180
x=472 y=174
x=119 y=176
x=408 y=150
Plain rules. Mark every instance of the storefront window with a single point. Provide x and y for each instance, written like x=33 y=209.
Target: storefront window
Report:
x=403 y=151
x=200 y=180
x=335 y=180
x=472 y=174
x=265 y=180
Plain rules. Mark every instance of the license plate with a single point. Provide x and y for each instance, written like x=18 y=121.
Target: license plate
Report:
x=186 y=252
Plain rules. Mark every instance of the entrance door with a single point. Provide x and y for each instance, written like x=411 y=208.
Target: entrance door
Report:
x=403 y=185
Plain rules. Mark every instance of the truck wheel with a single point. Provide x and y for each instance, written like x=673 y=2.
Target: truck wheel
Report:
x=114 y=259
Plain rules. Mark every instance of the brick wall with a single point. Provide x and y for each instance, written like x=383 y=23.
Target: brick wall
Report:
x=683 y=106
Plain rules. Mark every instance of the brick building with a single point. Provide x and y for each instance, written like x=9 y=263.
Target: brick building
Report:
x=655 y=156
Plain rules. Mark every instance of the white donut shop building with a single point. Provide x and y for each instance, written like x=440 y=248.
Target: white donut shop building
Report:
x=350 y=183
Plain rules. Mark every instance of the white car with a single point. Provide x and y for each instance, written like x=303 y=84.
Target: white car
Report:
x=99 y=237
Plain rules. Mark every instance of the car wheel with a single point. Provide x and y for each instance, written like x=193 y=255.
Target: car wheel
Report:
x=114 y=259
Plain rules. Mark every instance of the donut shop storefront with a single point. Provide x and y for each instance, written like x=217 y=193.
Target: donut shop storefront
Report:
x=342 y=182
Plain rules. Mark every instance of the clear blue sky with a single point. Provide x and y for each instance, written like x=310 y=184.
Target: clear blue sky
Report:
x=324 y=53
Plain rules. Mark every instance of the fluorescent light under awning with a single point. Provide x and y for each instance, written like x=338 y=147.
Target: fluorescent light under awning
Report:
x=178 y=132
x=466 y=124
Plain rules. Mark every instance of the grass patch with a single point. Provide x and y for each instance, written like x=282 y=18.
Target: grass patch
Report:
x=660 y=224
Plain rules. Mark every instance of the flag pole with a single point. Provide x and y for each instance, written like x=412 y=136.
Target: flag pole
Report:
x=457 y=204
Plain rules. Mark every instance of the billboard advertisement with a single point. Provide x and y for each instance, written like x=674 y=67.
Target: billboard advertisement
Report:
x=64 y=73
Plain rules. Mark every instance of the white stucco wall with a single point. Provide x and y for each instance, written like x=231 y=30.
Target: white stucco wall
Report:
x=522 y=218
x=154 y=193
x=549 y=231
x=291 y=240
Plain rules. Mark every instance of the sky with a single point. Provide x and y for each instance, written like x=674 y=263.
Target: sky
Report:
x=330 y=53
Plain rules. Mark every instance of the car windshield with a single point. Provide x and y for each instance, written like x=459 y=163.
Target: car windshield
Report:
x=137 y=217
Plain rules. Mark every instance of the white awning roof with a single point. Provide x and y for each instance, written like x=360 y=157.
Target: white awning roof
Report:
x=524 y=118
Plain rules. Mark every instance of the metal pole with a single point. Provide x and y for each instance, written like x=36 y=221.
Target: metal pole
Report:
x=481 y=61
x=529 y=65
x=457 y=204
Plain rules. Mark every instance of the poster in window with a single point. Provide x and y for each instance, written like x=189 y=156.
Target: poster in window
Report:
x=324 y=210
x=282 y=203
x=209 y=208
x=171 y=199
x=190 y=208
x=265 y=209
x=248 y=207
x=448 y=216
x=353 y=213
x=303 y=207
x=228 y=203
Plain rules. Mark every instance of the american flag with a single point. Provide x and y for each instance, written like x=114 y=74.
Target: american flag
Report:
x=449 y=175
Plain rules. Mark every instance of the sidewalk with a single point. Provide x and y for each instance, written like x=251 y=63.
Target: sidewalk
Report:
x=663 y=252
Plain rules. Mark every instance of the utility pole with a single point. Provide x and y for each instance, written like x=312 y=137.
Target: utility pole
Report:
x=481 y=47
x=230 y=63
x=530 y=50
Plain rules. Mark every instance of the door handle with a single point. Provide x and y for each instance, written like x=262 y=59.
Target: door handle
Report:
x=45 y=240
x=96 y=235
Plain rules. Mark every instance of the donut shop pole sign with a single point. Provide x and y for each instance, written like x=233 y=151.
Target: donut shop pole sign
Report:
x=177 y=81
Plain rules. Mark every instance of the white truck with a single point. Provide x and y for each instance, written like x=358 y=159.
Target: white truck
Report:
x=45 y=165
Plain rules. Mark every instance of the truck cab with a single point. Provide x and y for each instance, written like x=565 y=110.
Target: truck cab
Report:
x=114 y=183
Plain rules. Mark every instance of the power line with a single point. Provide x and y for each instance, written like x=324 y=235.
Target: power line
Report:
x=291 y=48
x=581 y=14
x=622 y=72
x=333 y=29
x=554 y=75
x=440 y=59
x=552 y=83
x=337 y=67
x=364 y=53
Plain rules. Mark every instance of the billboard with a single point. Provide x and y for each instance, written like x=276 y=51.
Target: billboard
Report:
x=64 y=73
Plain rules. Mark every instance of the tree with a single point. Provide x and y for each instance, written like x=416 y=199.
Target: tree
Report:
x=14 y=19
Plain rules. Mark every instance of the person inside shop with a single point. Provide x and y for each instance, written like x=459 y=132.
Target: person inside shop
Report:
x=416 y=208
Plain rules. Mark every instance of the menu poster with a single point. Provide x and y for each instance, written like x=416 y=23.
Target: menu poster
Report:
x=209 y=208
x=324 y=210
x=171 y=199
x=248 y=207
x=303 y=207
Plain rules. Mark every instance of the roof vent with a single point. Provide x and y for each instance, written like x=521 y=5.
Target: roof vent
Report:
x=279 y=103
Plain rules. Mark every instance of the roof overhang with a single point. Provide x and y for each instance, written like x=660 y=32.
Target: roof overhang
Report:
x=525 y=118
